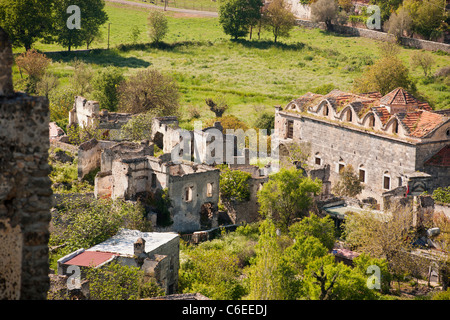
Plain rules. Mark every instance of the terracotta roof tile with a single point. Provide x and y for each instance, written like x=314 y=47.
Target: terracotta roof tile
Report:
x=427 y=122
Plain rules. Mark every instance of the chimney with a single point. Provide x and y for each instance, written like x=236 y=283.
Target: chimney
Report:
x=139 y=247
x=6 y=63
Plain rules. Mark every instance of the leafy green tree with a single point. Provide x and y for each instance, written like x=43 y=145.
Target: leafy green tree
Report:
x=271 y=276
x=428 y=17
x=383 y=76
x=278 y=18
x=304 y=250
x=265 y=121
x=117 y=282
x=327 y=280
x=441 y=195
x=362 y=263
x=158 y=26
x=234 y=185
x=236 y=16
x=138 y=128
x=92 y=16
x=26 y=21
x=212 y=272
x=104 y=87
x=313 y=226
x=286 y=195
x=387 y=7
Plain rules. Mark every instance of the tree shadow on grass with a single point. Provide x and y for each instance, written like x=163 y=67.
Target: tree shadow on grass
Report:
x=101 y=57
x=267 y=44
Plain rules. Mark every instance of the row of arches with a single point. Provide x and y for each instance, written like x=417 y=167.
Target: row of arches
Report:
x=348 y=114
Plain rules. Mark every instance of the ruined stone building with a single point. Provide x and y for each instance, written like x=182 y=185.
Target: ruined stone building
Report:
x=156 y=253
x=391 y=141
x=88 y=113
x=25 y=188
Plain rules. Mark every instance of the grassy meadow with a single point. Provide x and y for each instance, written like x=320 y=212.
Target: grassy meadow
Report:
x=252 y=75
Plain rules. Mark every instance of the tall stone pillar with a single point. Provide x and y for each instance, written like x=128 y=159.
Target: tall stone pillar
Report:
x=25 y=188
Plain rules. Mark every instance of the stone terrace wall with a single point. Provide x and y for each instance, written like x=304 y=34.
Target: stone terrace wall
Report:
x=25 y=188
x=378 y=35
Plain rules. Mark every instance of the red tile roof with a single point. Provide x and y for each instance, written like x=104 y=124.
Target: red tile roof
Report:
x=427 y=121
x=441 y=158
x=90 y=258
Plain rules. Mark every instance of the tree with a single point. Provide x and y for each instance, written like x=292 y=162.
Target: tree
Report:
x=286 y=195
x=271 y=276
x=26 y=21
x=349 y=184
x=158 y=26
x=428 y=17
x=219 y=106
x=399 y=23
x=149 y=90
x=138 y=128
x=387 y=7
x=92 y=16
x=234 y=185
x=382 y=235
x=82 y=78
x=236 y=16
x=324 y=279
x=324 y=11
x=320 y=228
x=104 y=87
x=120 y=282
x=278 y=18
x=383 y=76
x=35 y=65
x=346 y=5
x=423 y=60
x=48 y=83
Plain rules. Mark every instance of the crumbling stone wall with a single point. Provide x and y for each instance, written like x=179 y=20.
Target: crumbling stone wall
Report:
x=25 y=188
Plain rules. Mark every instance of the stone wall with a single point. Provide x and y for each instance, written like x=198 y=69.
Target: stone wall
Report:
x=25 y=188
x=378 y=35
x=377 y=155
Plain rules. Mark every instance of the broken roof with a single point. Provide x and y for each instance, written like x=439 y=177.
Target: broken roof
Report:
x=441 y=158
x=123 y=242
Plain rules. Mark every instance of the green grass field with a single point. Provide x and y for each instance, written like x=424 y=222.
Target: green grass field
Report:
x=252 y=75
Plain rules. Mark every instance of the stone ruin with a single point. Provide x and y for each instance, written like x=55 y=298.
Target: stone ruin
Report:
x=25 y=188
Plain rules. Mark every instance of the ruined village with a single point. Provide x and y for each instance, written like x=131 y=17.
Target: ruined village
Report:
x=344 y=195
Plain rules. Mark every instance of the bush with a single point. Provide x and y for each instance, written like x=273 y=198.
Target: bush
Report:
x=35 y=65
x=158 y=26
x=104 y=85
x=442 y=195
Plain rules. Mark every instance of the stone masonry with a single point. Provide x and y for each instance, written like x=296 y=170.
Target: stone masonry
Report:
x=25 y=188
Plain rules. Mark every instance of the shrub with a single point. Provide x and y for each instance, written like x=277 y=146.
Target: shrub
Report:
x=158 y=26
x=35 y=65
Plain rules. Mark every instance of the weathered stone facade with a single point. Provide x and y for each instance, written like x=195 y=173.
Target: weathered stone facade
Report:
x=387 y=139
x=25 y=188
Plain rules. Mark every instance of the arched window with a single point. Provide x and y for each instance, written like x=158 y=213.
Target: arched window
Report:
x=349 y=115
x=362 y=173
x=395 y=127
x=371 y=121
x=325 y=111
x=386 y=181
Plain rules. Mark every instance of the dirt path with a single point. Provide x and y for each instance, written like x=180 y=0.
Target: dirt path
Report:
x=152 y=6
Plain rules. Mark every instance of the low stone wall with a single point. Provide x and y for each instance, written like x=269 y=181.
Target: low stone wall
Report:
x=378 y=35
